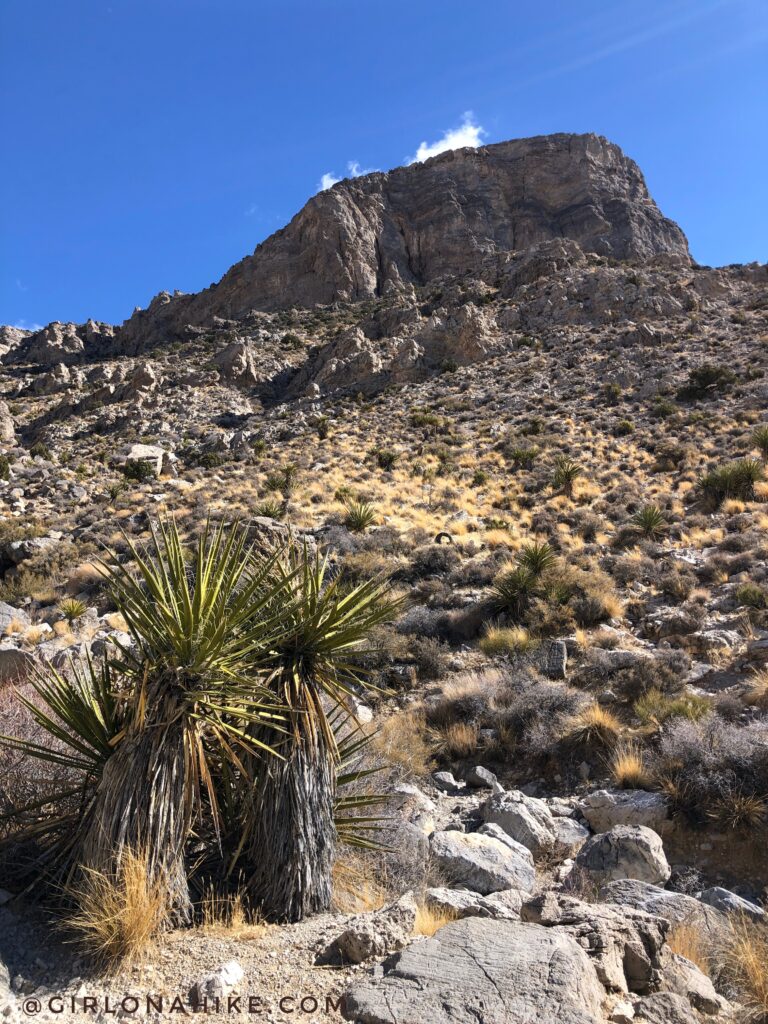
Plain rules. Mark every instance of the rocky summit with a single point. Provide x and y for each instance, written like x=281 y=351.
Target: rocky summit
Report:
x=496 y=387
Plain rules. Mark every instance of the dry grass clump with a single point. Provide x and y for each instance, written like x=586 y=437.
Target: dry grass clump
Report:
x=402 y=742
x=746 y=962
x=629 y=768
x=757 y=695
x=431 y=919
x=227 y=917
x=686 y=940
x=505 y=640
x=595 y=726
x=457 y=740
x=118 y=918
x=355 y=888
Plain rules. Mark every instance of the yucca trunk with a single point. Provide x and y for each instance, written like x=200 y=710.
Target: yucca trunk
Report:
x=293 y=832
x=143 y=805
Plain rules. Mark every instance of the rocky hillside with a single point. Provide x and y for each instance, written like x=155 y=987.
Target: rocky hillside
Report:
x=498 y=379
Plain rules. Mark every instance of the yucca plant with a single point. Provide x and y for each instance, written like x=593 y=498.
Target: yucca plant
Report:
x=735 y=480
x=72 y=609
x=649 y=521
x=290 y=835
x=536 y=557
x=566 y=473
x=270 y=508
x=149 y=735
x=760 y=440
x=513 y=591
x=359 y=515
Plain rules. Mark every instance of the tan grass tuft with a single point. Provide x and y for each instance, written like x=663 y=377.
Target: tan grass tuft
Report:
x=431 y=919
x=746 y=961
x=686 y=940
x=118 y=918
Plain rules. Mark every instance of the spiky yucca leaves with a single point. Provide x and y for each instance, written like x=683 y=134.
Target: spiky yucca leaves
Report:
x=201 y=623
x=81 y=715
x=291 y=825
x=649 y=521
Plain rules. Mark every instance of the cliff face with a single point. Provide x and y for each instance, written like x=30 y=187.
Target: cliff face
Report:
x=388 y=231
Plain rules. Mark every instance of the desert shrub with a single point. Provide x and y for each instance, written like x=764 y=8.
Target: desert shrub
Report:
x=138 y=470
x=623 y=428
x=5 y=467
x=454 y=627
x=270 y=508
x=386 y=458
x=566 y=473
x=593 y=727
x=530 y=715
x=735 y=480
x=431 y=560
x=536 y=557
x=746 y=964
x=629 y=768
x=430 y=656
x=40 y=450
x=760 y=440
x=657 y=707
x=359 y=515
x=500 y=641
x=664 y=672
x=706 y=381
x=72 y=609
x=715 y=770
x=750 y=595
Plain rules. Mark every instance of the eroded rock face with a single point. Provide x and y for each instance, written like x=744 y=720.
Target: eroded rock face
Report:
x=483 y=972
x=386 y=232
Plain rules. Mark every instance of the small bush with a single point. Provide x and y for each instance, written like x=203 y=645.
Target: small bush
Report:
x=386 y=458
x=72 y=609
x=736 y=480
x=656 y=707
x=629 y=768
x=760 y=440
x=536 y=558
x=750 y=595
x=138 y=470
x=706 y=381
x=40 y=450
x=270 y=508
x=359 y=515
x=431 y=657
x=499 y=641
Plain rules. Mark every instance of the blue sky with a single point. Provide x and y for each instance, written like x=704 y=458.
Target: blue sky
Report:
x=149 y=144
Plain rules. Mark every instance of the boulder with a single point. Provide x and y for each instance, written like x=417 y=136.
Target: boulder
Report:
x=377 y=934
x=625 y=851
x=236 y=363
x=16 y=665
x=219 y=984
x=158 y=458
x=481 y=778
x=676 y=907
x=625 y=945
x=729 y=903
x=481 y=863
x=10 y=616
x=7 y=428
x=525 y=818
x=504 y=905
x=665 y=1008
x=483 y=972
x=685 y=979
x=605 y=808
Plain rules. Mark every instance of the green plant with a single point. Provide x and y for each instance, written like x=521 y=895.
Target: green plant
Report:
x=760 y=440
x=270 y=509
x=150 y=740
x=5 y=467
x=536 y=557
x=649 y=521
x=566 y=473
x=386 y=458
x=750 y=595
x=706 y=381
x=323 y=427
x=513 y=590
x=735 y=480
x=623 y=428
x=359 y=515
x=289 y=840
x=40 y=450
x=655 y=707
x=138 y=470
x=72 y=609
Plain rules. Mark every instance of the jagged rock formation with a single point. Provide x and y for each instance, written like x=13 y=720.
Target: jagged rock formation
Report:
x=457 y=215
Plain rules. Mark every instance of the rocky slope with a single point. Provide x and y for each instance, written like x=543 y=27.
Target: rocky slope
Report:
x=578 y=775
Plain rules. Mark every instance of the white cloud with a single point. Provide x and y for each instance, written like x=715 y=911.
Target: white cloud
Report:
x=468 y=133
x=327 y=181
x=24 y=325
x=354 y=170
